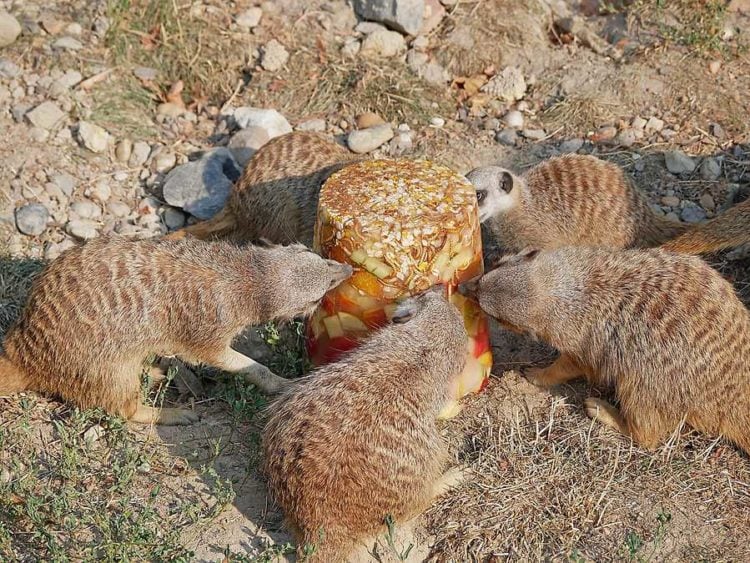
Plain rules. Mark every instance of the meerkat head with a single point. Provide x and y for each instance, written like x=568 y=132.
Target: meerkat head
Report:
x=297 y=279
x=431 y=316
x=497 y=190
x=506 y=293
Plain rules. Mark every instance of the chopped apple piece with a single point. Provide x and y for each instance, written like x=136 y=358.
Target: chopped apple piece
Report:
x=358 y=256
x=377 y=268
x=350 y=323
x=333 y=326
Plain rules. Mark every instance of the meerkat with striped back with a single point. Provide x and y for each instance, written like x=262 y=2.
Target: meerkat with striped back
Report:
x=664 y=330
x=99 y=310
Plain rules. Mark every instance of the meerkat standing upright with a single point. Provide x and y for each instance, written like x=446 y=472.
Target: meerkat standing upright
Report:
x=98 y=310
x=665 y=330
x=572 y=200
x=357 y=440
x=277 y=196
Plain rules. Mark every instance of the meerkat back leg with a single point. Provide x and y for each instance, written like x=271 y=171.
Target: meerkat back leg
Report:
x=562 y=370
x=253 y=372
x=449 y=480
x=156 y=375
x=602 y=411
x=165 y=416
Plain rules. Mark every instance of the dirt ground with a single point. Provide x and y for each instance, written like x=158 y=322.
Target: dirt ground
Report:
x=547 y=484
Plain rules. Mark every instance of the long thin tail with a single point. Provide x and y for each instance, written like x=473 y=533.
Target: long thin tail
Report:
x=728 y=230
x=662 y=230
x=219 y=226
x=12 y=379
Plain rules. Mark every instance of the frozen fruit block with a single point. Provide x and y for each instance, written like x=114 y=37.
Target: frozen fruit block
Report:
x=404 y=226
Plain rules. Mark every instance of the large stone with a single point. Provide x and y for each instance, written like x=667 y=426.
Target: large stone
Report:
x=368 y=140
x=271 y=120
x=10 y=29
x=45 y=116
x=202 y=187
x=32 y=219
x=406 y=16
x=678 y=162
x=245 y=142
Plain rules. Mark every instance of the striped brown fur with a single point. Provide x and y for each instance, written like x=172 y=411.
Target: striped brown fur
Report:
x=730 y=229
x=357 y=440
x=665 y=330
x=97 y=312
x=575 y=200
x=277 y=196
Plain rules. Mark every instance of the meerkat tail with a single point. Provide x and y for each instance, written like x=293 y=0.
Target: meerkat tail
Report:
x=730 y=229
x=12 y=379
x=662 y=230
x=218 y=226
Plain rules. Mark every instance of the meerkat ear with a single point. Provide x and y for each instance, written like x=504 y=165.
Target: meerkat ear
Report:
x=403 y=312
x=528 y=254
x=506 y=182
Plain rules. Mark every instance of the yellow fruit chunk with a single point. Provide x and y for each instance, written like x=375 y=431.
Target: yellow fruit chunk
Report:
x=333 y=326
x=350 y=323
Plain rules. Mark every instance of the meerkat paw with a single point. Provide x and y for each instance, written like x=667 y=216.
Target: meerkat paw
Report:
x=535 y=376
x=449 y=410
x=603 y=412
x=451 y=479
x=264 y=379
x=165 y=416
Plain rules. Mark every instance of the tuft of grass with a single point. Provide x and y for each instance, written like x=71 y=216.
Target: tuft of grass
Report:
x=124 y=107
x=16 y=277
x=580 y=111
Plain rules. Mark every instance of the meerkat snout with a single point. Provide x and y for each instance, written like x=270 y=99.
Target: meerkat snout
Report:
x=493 y=185
x=339 y=272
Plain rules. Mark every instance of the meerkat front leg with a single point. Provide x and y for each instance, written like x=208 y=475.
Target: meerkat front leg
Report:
x=253 y=372
x=607 y=414
x=564 y=369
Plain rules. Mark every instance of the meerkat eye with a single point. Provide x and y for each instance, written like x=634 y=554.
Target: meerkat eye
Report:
x=481 y=194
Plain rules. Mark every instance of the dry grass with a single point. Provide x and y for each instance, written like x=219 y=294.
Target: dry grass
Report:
x=581 y=111
x=551 y=485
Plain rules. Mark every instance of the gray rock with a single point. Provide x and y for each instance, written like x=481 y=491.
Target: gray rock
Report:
x=140 y=154
x=69 y=79
x=508 y=85
x=274 y=57
x=707 y=202
x=416 y=60
x=93 y=137
x=534 y=134
x=9 y=69
x=246 y=142
x=201 y=188
x=38 y=134
x=507 y=137
x=678 y=162
x=402 y=15
x=74 y=28
x=383 y=44
x=271 y=120
x=32 y=219
x=513 y=119
x=10 y=29
x=123 y=150
x=82 y=228
x=654 y=125
x=626 y=138
x=491 y=124
x=434 y=73
x=437 y=121
x=46 y=115
x=173 y=218
x=65 y=182
x=250 y=18
x=54 y=192
x=710 y=169
x=86 y=210
x=571 y=145
x=318 y=125
x=68 y=43
x=638 y=123
x=101 y=26
x=692 y=213
x=351 y=48
x=118 y=209
x=672 y=216
x=367 y=140
x=19 y=111
x=366 y=28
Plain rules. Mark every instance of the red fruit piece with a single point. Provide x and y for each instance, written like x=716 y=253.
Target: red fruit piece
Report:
x=367 y=283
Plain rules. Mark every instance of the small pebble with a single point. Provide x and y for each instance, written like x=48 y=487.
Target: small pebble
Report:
x=140 y=153
x=678 y=162
x=246 y=142
x=638 y=123
x=606 y=133
x=693 y=214
x=507 y=137
x=514 y=119
x=68 y=44
x=670 y=201
x=123 y=150
x=367 y=140
x=173 y=218
x=654 y=125
x=164 y=161
x=368 y=119
x=437 y=121
x=118 y=209
x=710 y=169
x=94 y=434
x=318 y=125
x=86 y=209
x=571 y=145
x=707 y=202
x=249 y=18
x=274 y=57
x=46 y=115
x=626 y=138
x=10 y=29
x=93 y=137
x=534 y=134
x=383 y=43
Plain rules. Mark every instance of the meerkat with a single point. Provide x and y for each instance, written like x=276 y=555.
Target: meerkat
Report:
x=665 y=330
x=98 y=310
x=357 y=440
x=277 y=196
x=574 y=200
